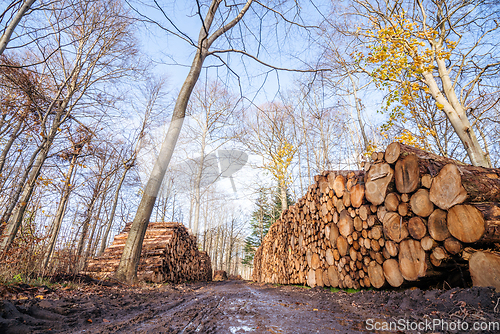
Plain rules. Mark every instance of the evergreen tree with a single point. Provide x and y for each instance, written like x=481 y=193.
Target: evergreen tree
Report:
x=267 y=211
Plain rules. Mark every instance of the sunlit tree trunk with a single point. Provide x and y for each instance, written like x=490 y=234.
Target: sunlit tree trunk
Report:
x=127 y=269
x=456 y=114
x=4 y=40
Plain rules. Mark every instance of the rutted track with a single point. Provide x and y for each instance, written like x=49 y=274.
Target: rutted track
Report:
x=235 y=307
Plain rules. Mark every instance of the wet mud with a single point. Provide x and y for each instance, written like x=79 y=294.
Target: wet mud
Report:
x=237 y=306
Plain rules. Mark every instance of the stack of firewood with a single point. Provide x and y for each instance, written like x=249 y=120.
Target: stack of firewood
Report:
x=169 y=254
x=409 y=215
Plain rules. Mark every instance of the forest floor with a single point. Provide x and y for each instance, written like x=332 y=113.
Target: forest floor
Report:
x=237 y=306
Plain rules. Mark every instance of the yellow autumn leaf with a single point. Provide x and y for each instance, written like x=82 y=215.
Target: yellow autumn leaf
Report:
x=439 y=105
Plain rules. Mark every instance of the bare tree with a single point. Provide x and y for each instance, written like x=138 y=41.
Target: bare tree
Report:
x=127 y=270
x=9 y=29
x=153 y=90
x=269 y=134
x=72 y=155
x=209 y=128
x=100 y=43
x=217 y=22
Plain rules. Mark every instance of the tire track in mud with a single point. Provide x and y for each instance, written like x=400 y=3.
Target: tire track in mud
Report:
x=266 y=310
x=235 y=307
x=193 y=314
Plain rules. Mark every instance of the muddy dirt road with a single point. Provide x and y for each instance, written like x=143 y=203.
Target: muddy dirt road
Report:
x=242 y=307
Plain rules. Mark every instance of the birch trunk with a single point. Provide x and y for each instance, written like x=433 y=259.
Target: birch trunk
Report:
x=456 y=114
x=284 y=202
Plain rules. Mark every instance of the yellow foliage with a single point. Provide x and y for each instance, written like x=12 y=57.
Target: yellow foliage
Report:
x=372 y=147
x=400 y=50
x=281 y=159
x=410 y=139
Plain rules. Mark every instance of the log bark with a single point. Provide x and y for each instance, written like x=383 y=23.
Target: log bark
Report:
x=482 y=184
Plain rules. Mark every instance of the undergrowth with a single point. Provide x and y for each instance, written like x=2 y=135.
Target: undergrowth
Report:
x=22 y=263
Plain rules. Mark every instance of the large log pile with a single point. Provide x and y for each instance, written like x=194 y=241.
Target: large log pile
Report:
x=406 y=217
x=169 y=254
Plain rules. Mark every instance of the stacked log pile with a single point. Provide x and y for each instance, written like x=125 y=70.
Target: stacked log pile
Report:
x=169 y=254
x=409 y=215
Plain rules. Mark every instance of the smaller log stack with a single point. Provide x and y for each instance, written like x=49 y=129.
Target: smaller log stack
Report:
x=407 y=216
x=169 y=254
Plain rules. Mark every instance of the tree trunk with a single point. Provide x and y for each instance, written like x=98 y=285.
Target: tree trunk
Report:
x=284 y=201
x=15 y=220
x=127 y=270
x=4 y=40
x=85 y=226
x=197 y=188
x=10 y=231
x=56 y=225
x=19 y=189
x=113 y=210
x=455 y=114
x=8 y=145
x=88 y=252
